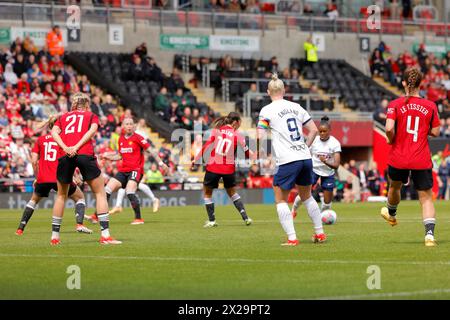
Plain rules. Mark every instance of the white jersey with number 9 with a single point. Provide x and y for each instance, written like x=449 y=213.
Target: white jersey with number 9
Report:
x=286 y=119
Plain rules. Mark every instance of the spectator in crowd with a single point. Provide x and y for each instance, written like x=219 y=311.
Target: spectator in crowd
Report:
x=186 y=119
x=9 y=75
x=349 y=194
x=48 y=108
x=37 y=102
x=97 y=108
x=362 y=175
x=136 y=71
x=374 y=180
x=162 y=101
x=308 y=10
x=62 y=106
x=444 y=176
x=212 y=5
x=55 y=42
x=175 y=81
x=380 y=112
x=352 y=167
x=331 y=11
x=108 y=104
x=172 y=114
x=196 y=148
x=141 y=50
x=310 y=50
x=234 y=6
x=154 y=176
x=252 y=7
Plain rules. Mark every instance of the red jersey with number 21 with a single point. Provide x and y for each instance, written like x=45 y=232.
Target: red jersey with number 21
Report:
x=224 y=141
x=132 y=151
x=413 y=121
x=47 y=149
x=74 y=125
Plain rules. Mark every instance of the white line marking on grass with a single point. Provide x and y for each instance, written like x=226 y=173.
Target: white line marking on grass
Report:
x=228 y=260
x=386 y=295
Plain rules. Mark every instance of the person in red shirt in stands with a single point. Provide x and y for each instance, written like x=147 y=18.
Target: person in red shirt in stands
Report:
x=23 y=86
x=224 y=141
x=410 y=121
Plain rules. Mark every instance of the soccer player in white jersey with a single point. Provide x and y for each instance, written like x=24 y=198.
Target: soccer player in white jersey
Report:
x=290 y=147
x=326 y=155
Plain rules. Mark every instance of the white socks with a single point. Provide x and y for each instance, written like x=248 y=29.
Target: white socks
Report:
x=314 y=213
x=325 y=206
x=120 y=196
x=146 y=189
x=286 y=220
x=297 y=203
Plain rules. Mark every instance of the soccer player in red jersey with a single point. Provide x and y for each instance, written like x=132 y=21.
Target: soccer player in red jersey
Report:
x=45 y=163
x=131 y=153
x=73 y=132
x=410 y=120
x=221 y=164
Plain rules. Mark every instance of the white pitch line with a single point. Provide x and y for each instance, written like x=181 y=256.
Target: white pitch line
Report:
x=385 y=295
x=230 y=260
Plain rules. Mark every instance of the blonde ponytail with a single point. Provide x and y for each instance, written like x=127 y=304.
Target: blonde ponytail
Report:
x=276 y=86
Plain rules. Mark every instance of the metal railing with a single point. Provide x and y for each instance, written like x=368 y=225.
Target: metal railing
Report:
x=295 y=96
x=190 y=20
x=258 y=81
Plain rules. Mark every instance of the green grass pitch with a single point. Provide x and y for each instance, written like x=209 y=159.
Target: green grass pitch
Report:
x=173 y=257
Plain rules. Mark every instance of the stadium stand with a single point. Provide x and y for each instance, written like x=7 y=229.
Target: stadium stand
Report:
x=388 y=70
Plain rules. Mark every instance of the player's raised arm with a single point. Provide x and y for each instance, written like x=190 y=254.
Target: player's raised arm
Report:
x=205 y=146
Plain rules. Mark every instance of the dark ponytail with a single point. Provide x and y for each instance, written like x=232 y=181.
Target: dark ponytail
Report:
x=325 y=121
x=229 y=119
x=413 y=77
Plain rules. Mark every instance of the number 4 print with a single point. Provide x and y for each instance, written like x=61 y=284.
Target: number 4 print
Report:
x=414 y=131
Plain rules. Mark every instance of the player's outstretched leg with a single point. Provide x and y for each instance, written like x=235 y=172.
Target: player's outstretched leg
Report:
x=119 y=201
x=239 y=205
x=148 y=192
x=297 y=203
x=27 y=213
x=313 y=211
x=429 y=216
x=389 y=212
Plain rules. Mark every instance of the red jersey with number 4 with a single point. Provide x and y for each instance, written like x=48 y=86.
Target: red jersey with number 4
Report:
x=224 y=142
x=74 y=125
x=47 y=149
x=413 y=121
x=132 y=151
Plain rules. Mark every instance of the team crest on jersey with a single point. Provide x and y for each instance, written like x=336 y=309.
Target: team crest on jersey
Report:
x=130 y=143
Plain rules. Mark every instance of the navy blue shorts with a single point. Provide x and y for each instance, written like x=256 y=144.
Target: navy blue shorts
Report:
x=327 y=183
x=293 y=173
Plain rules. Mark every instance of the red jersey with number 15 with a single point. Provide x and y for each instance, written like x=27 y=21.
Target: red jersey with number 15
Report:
x=47 y=149
x=224 y=141
x=74 y=125
x=413 y=121
x=132 y=151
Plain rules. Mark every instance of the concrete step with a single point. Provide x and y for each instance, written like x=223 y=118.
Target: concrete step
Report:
x=388 y=86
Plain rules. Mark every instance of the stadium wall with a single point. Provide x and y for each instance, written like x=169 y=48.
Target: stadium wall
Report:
x=168 y=198
x=95 y=37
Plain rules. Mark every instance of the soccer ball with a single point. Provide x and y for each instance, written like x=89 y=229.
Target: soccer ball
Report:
x=329 y=217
